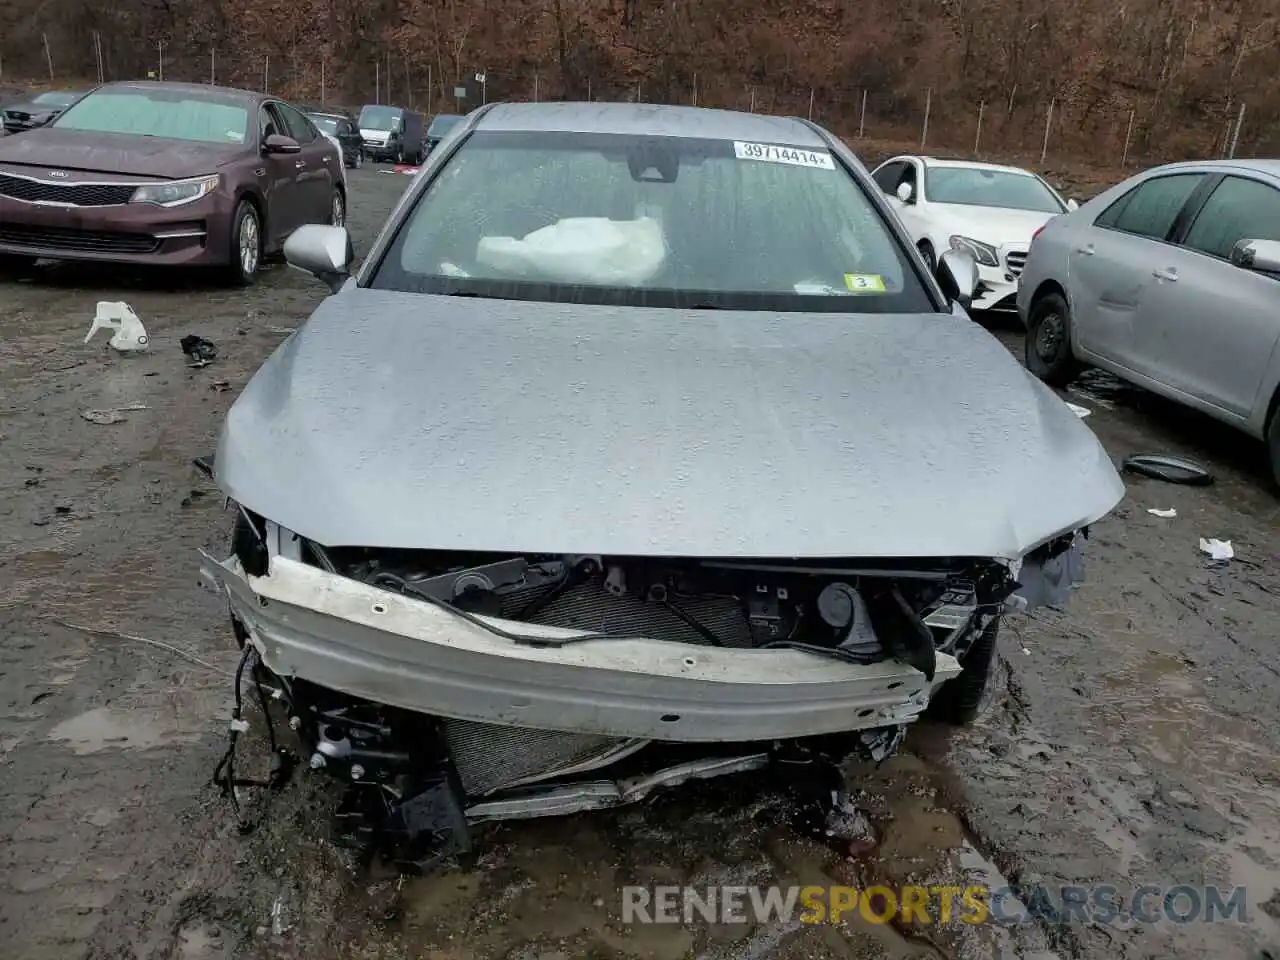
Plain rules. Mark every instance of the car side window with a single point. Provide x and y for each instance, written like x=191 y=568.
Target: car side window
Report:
x=299 y=127
x=1150 y=209
x=1238 y=209
x=269 y=124
x=887 y=177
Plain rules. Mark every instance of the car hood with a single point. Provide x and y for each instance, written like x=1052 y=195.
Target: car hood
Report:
x=75 y=150
x=31 y=109
x=398 y=420
x=993 y=225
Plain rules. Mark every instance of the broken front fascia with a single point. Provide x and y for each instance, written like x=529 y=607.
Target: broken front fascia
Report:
x=397 y=650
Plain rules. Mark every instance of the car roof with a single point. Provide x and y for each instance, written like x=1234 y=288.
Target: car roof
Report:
x=1268 y=166
x=145 y=86
x=975 y=165
x=649 y=119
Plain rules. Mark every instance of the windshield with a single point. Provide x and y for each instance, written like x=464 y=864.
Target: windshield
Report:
x=327 y=124
x=173 y=115
x=650 y=221
x=379 y=118
x=54 y=99
x=441 y=125
x=974 y=186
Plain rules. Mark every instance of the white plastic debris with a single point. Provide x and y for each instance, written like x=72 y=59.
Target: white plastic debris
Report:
x=129 y=335
x=1217 y=549
x=114 y=415
x=581 y=250
x=1166 y=513
x=1078 y=410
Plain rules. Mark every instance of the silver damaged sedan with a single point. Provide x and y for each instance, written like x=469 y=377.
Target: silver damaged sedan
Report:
x=642 y=447
x=1171 y=281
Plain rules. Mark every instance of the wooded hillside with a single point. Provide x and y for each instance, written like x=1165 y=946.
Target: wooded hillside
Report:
x=1179 y=68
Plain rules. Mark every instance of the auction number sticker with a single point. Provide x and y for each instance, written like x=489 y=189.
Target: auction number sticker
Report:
x=772 y=153
x=864 y=282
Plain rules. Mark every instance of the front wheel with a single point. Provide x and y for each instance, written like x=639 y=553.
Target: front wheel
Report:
x=338 y=210
x=1048 y=342
x=959 y=700
x=15 y=265
x=246 y=245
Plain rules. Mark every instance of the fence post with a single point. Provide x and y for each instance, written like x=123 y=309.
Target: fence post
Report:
x=160 y=60
x=431 y=93
x=1048 y=122
x=213 y=66
x=535 y=86
x=977 y=137
x=862 y=117
x=695 y=89
x=928 y=105
x=377 y=81
x=266 y=73
x=322 y=80
x=753 y=99
x=1128 y=132
x=1235 y=136
x=810 y=117
x=47 y=55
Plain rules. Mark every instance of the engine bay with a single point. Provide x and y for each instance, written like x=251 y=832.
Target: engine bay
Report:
x=854 y=612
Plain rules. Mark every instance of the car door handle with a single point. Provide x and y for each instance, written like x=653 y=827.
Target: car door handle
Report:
x=300 y=164
x=1085 y=251
x=1168 y=274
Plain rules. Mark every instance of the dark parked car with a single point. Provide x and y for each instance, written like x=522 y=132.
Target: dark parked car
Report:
x=342 y=128
x=170 y=174
x=38 y=110
x=440 y=126
x=392 y=133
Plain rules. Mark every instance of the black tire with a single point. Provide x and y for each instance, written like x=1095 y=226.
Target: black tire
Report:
x=338 y=209
x=14 y=265
x=1273 y=447
x=1048 y=343
x=930 y=258
x=242 y=268
x=959 y=700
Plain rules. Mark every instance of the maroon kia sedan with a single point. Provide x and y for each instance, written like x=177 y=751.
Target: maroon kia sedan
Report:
x=167 y=174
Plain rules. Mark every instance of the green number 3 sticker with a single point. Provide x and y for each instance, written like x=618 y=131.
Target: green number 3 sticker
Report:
x=864 y=282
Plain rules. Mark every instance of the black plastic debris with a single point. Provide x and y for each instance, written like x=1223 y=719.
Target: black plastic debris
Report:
x=199 y=351
x=204 y=465
x=1169 y=469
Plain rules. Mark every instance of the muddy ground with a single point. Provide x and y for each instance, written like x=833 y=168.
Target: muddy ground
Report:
x=1129 y=740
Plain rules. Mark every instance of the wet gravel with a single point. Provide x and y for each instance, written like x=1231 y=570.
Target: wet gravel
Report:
x=1129 y=740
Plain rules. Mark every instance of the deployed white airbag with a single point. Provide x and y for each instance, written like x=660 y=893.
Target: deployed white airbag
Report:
x=581 y=250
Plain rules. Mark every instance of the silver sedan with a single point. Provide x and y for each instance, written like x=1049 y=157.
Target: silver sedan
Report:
x=1170 y=281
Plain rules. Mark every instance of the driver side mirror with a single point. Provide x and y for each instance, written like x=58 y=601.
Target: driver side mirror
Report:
x=279 y=143
x=958 y=276
x=323 y=251
x=905 y=193
x=1262 y=256
x=1073 y=205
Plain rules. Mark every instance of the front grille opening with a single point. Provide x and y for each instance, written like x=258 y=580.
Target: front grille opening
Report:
x=78 y=194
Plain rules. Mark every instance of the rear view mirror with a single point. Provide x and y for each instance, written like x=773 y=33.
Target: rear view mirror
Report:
x=958 y=276
x=1072 y=205
x=278 y=143
x=322 y=251
x=1260 y=255
x=904 y=192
